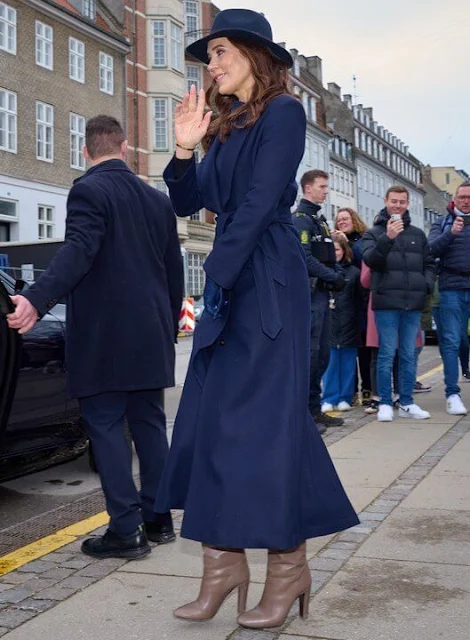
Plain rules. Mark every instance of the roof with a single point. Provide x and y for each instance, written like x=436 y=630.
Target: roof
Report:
x=100 y=22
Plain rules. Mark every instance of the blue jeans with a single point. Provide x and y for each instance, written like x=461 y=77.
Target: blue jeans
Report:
x=397 y=329
x=319 y=346
x=454 y=311
x=340 y=376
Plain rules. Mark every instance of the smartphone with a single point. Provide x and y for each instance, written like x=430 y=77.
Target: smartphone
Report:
x=395 y=217
x=466 y=219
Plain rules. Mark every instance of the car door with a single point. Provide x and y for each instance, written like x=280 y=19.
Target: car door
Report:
x=36 y=395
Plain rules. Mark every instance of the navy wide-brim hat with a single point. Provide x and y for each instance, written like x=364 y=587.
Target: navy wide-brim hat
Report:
x=247 y=25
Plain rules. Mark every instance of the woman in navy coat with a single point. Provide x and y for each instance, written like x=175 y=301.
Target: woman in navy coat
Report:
x=246 y=462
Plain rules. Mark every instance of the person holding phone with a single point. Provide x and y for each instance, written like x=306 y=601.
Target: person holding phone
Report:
x=449 y=240
x=402 y=269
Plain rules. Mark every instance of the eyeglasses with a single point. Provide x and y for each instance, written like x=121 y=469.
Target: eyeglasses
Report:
x=462 y=197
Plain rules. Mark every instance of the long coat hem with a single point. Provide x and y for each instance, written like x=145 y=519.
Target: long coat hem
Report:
x=270 y=542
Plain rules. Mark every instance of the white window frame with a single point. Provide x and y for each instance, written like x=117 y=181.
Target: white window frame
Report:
x=194 y=69
x=44 y=132
x=77 y=60
x=177 y=47
x=195 y=273
x=45 y=222
x=77 y=141
x=106 y=64
x=7 y=28
x=44 y=45
x=160 y=37
x=191 y=20
x=9 y=120
x=163 y=129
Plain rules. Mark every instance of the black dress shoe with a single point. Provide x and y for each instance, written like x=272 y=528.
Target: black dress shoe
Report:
x=327 y=421
x=160 y=530
x=113 y=545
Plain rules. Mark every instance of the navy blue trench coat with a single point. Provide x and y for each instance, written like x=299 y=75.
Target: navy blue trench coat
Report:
x=246 y=461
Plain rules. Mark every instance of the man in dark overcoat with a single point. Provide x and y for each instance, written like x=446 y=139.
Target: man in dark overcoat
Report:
x=121 y=271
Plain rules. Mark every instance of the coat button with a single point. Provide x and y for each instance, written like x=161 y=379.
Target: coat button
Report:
x=222 y=343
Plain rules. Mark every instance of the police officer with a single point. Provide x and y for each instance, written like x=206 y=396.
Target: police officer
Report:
x=324 y=277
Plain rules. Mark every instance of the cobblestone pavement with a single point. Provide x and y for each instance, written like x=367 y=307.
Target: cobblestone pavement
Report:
x=40 y=585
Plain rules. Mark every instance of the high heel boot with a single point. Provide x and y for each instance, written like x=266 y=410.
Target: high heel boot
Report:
x=287 y=578
x=223 y=572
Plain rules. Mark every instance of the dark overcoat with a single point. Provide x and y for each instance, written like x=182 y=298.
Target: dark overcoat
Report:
x=246 y=462
x=120 y=269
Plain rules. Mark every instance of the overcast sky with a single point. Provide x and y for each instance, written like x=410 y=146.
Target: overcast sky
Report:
x=411 y=59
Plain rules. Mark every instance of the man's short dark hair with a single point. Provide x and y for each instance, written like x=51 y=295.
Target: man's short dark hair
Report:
x=104 y=136
x=309 y=177
x=397 y=188
x=461 y=186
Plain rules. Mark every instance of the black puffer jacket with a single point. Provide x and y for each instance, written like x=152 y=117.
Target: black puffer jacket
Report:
x=402 y=269
x=346 y=315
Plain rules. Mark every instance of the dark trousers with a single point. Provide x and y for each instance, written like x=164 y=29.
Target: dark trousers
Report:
x=105 y=415
x=319 y=346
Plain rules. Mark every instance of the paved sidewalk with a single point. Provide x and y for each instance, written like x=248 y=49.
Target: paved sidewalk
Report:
x=403 y=573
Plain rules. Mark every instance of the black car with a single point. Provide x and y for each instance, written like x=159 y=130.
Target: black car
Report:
x=39 y=425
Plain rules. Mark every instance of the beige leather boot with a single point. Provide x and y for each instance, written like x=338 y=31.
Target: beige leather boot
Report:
x=288 y=578
x=223 y=572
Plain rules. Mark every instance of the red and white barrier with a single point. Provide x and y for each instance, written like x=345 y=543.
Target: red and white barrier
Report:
x=187 y=322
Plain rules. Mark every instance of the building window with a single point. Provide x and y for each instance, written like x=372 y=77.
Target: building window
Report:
x=357 y=138
x=191 y=20
x=77 y=141
x=8 y=121
x=369 y=145
x=447 y=178
x=176 y=47
x=44 y=132
x=341 y=181
x=193 y=76
x=45 y=222
x=363 y=141
x=106 y=73
x=89 y=9
x=313 y=109
x=7 y=28
x=160 y=185
x=160 y=114
x=76 y=60
x=44 y=46
x=159 y=43
x=196 y=278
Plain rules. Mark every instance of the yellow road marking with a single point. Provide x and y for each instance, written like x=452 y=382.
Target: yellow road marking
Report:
x=46 y=545
x=431 y=372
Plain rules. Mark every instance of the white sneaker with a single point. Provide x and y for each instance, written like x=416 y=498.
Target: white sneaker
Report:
x=455 y=406
x=344 y=406
x=327 y=407
x=413 y=411
x=385 y=413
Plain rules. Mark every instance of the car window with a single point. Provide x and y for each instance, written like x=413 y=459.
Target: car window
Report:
x=8 y=282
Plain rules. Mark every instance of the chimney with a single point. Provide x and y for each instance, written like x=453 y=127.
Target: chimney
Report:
x=314 y=66
x=334 y=89
x=347 y=100
x=369 y=112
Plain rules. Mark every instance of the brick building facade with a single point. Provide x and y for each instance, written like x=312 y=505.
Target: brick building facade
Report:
x=59 y=67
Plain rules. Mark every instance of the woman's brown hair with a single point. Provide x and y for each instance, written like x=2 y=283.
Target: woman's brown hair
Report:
x=348 y=255
x=271 y=80
x=358 y=223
